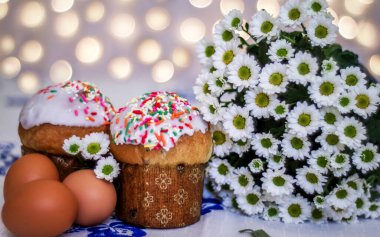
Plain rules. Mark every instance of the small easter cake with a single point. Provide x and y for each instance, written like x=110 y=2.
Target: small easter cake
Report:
x=56 y=118
x=162 y=144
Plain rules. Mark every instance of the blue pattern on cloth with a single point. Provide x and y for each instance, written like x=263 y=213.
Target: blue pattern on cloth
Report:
x=8 y=155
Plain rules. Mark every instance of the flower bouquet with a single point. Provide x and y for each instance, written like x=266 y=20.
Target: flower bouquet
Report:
x=296 y=120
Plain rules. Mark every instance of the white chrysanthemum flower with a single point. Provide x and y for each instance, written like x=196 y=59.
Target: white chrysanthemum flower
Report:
x=310 y=180
x=211 y=110
x=271 y=213
x=321 y=31
x=366 y=101
x=326 y=90
x=295 y=147
x=201 y=88
x=295 y=209
x=273 y=78
x=265 y=145
x=319 y=160
x=241 y=181
x=318 y=215
x=72 y=145
x=233 y=20
x=341 y=197
x=319 y=201
x=107 y=169
x=94 y=145
x=330 y=141
x=223 y=34
x=251 y=203
x=205 y=49
x=256 y=166
x=277 y=183
x=339 y=214
x=280 y=50
x=355 y=183
x=373 y=211
x=341 y=172
x=219 y=170
x=304 y=119
x=280 y=110
x=263 y=25
x=366 y=158
x=241 y=146
x=315 y=7
x=225 y=54
x=222 y=142
x=351 y=132
x=345 y=102
x=237 y=122
x=330 y=117
x=243 y=72
x=302 y=68
x=276 y=162
x=259 y=103
x=292 y=13
x=329 y=67
x=352 y=77
x=218 y=83
x=361 y=205
x=339 y=160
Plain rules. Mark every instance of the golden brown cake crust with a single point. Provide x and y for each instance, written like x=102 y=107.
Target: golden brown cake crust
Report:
x=194 y=149
x=49 y=138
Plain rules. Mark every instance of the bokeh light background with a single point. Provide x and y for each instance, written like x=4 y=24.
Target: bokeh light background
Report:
x=128 y=47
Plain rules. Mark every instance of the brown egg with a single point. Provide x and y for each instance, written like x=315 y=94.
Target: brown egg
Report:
x=96 y=198
x=40 y=208
x=28 y=168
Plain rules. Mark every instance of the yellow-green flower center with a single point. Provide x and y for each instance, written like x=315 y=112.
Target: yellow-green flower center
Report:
x=295 y=210
x=74 y=148
x=276 y=79
x=209 y=51
x=316 y=214
x=330 y=118
x=321 y=32
x=227 y=35
x=206 y=88
x=294 y=14
x=344 y=101
x=322 y=161
x=252 y=199
x=303 y=69
x=93 y=148
x=239 y=122
x=272 y=212
x=312 y=178
x=367 y=156
x=326 y=88
x=228 y=56
x=332 y=139
x=266 y=142
x=278 y=181
x=219 y=137
x=341 y=194
x=212 y=109
x=362 y=101
x=262 y=100
x=107 y=169
x=266 y=27
x=304 y=119
x=282 y=53
x=316 y=6
x=243 y=180
x=340 y=159
x=296 y=143
x=244 y=73
x=235 y=22
x=350 y=131
x=222 y=169
x=359 y=203
x=280 y=109
x=352 y=80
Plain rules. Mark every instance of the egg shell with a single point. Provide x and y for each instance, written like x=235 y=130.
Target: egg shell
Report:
x=40 y=208
x=26 y=169
x=96 y=198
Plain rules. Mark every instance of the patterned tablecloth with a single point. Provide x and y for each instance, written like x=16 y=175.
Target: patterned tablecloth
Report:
x=215 y=221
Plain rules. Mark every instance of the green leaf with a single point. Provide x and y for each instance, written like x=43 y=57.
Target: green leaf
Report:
x=255 y=233
x=373 y=129
x=332 y=50
x=295 y=93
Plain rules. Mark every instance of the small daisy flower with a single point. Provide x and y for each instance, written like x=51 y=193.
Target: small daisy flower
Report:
x=251 y=203
x=325 y=91
x=107 y=169
x=318 y=215
x=211 y=110
x=319 y=201
x=273 y=78
x=339 y=214
x=352 y=77
x=263 y=25
x=366 y=158
x=351 y=132
x=292 y=13
x=256 y=166
x=280 y=50
x=304 y=119
x=276 y=162
x=280 y=110
x=355 y=183
x=243 y=72
x=329 y=67
x=330 y=141
x=330 y=117
x=233 y=20
x=277 y=183
x=265 y=145
x=310 y=180
x=295 y=147
x=259 y=103
x=320 y=160
x=302 y=68
x=345 y=102
x=218 y=83
x=315 y=7
x=366 y=101
x=342 y=171
x=322 y=31
x=94 y=145
x=373 y=211
x=341 y=197
x=205 y=49
x=241 y=181
x=237 y=122
x=241 y=146
x=271 y=213
x=219 y=170
x=362 y=205
x=225 y=54
x=224 y=34
x=339 y=160
x=222 y=143
x=295 y=210
x=72 y=145
x=201 y=88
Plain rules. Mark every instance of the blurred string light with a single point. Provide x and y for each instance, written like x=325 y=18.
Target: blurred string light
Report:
x=122 y=26
x=31 y=51
x=3 y=10
x=374 y=64
x=60 y=71
x=149 y=51
x=94 y=12
x=10 y=67
x=157 y=18
x=120 y=68
x=7 y=44
x=192 y=30
x=271 y=6
x=367 y=35
x=200 y=3
x=181 y=57
x=4 y=1
x=355 y=7
x=227 y=5
x=67 y=24
x=348 y=28
x=366 y=1
x=88 y=50
x=162 y=71
x=32 y=14
x=62 y=5
x=28 y=82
